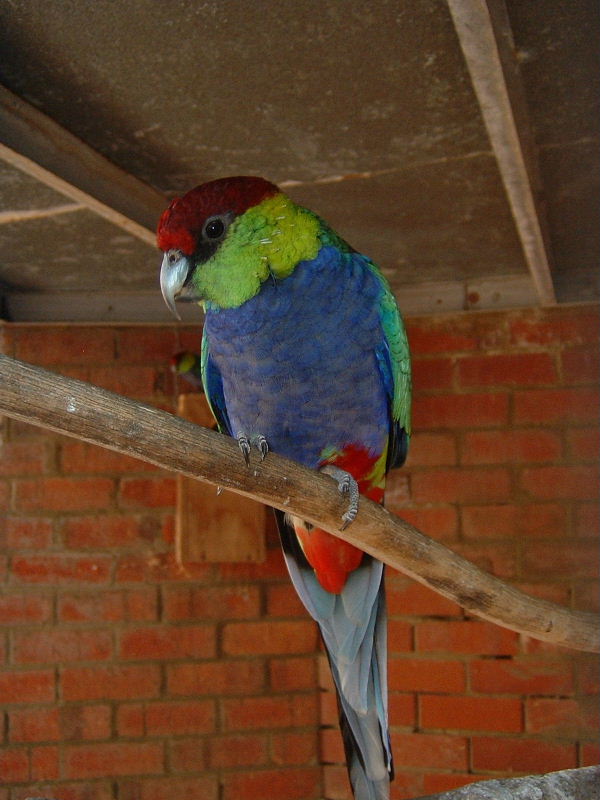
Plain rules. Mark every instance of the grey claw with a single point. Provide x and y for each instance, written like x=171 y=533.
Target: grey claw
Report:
x=244 y=445
x=346 y=485
x=263 y=446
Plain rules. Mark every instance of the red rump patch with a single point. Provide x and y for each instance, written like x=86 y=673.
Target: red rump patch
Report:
x=331 y=558
x=181 y=223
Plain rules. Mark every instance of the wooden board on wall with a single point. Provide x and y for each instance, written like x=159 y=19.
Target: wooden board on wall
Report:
x=210 y=527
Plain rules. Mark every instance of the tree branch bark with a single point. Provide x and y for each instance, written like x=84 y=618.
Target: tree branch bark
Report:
x=87 y=412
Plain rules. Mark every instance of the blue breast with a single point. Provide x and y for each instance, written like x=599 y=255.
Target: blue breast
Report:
x=299 y=361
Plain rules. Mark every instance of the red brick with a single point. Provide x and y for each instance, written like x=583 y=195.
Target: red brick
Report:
x=108 y=531
x=583 y=444
x=188 y=755
x=45 y=763
x=28 y=534
x=473 y=637
x=81 y=457
x=210 y=602
x=439 y=522
x=22 y=458
x=72 y=345
x=510 y=446
x=331 y=746
x=292 y=674
x=436 y=782
x=590 y=755
x=166 y=719
x=82 y=723
x=293 y=784
x=470 y=713
x=63 y=494
x=426 y=675
x=137 y=568
x=431 y=750
x=52 y=569
x=193 y=641
x=14 y=765
x=34 y=725
x=562 y=558
x=19 y=608
x=432 y=373
x=564 y=326
x=147 y=492
x=237 y=751
x=294 y=748
x=336 y=784
x=578 y=483
x=580 y=366
x=55 y=645
x=134 y=605
x=440 y=337
x=507 y=754
x=400 y=636
x=461 y=485
x=283 y=601
x=460 y=411
x=556 y=406
x=35 y=686
x=4 y=496
x=278 y=711
x=587 y=520
x=121 y=682
x=402 y=710
x=563 y=716
x=131 y=720
x=246 y=638
x=205 y=787
x=216 y=677
x=112 y=760
x=588 y=676
x=431 y=450
x=521 y=676
x=512 y=521
x=519 y=369
x=414 y=599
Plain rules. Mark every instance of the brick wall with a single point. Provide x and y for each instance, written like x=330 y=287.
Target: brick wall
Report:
x=126 y=676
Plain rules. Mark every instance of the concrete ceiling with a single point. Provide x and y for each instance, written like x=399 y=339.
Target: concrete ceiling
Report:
x=454 y=142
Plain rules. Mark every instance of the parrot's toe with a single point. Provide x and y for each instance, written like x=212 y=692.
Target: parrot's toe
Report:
x=246 y=444
x=346 y=485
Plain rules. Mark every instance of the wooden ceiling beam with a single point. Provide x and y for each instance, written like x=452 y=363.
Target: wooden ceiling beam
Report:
x=38 y=146
x=485 y=36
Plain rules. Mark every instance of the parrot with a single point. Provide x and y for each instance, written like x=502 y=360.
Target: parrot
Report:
x=304 y=353
x=188 y=365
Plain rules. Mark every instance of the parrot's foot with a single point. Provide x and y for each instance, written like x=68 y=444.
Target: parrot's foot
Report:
x=346 y=485
x=245 y=444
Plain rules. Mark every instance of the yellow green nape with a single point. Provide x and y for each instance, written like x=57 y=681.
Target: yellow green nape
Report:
x=267 y=241
x=289 y=234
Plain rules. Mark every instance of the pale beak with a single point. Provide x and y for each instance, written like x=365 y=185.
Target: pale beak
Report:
x=173 y=275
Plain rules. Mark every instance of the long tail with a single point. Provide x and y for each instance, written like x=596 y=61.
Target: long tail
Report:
x=353 y=627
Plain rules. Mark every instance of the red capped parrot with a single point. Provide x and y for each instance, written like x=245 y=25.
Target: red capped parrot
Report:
x=188 y=366
x=304 y=353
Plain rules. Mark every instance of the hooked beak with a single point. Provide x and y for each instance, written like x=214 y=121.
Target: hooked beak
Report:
x=173 y=276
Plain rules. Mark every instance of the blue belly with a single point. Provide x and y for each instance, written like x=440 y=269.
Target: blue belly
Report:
x=298 y=361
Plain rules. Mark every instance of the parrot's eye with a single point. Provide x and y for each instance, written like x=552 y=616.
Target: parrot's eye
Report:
x=214 y=228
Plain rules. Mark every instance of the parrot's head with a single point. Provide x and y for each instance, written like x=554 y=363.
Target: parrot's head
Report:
x=224 y=239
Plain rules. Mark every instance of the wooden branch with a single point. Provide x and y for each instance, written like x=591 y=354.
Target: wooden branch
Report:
x=86 y=412
x=485 y=36
x=37 y=145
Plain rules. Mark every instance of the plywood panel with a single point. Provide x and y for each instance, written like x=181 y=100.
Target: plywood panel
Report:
x=211 y=527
